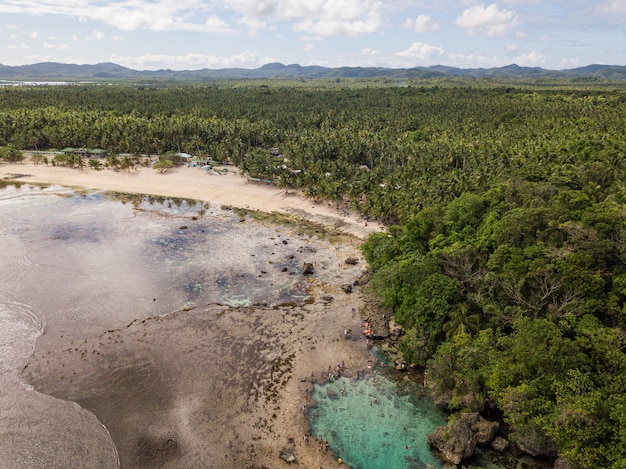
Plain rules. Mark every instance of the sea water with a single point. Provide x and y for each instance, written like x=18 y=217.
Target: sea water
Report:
x=375 y=422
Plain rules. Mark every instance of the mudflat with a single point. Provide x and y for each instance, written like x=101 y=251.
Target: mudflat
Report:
x=204 y=383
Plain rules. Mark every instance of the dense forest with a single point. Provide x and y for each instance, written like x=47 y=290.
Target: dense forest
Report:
x=505 y=255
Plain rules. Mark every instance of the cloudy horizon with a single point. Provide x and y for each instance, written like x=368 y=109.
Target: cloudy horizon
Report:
x=197 y=34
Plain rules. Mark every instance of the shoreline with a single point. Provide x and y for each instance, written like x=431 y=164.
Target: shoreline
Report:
x=248 y=432
x=227 y=189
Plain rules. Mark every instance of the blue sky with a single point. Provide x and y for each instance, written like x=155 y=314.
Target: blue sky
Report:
x=195 y=34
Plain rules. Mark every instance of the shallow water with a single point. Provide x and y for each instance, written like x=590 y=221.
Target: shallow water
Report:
x=78 y=267
x=374 y=423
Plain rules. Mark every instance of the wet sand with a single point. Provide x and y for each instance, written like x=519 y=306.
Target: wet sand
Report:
x=213 y=387
x=229 y=188
x=206 y=385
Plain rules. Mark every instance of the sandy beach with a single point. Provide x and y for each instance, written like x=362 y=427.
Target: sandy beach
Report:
x=228 y=188
x=209 y=385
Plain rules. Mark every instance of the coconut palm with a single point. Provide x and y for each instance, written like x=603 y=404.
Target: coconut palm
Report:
x=461 y=322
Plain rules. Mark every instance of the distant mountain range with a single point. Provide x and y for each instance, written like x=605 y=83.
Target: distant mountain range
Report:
x=51 y=71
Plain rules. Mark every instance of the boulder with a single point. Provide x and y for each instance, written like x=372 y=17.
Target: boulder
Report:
x=484 y=431
x=351 y=261
x=535 y=444
x=308 y=269
x=288 y=455
x=455 y=442
x=347 y=288
x=500 y=444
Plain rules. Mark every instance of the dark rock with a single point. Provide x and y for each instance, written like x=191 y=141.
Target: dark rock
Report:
x=352 y=261
x=562 y=463
x=327 y=298
x=288 y=455
x=534 y=443
x=184 y=227
x=484 y=431
x=455 y=442
x=468 y=418
x=347 y=288
x=308 y=269
x=500 y=444
x=285 y=241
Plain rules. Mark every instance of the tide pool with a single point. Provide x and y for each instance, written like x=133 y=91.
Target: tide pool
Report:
x=374 y=422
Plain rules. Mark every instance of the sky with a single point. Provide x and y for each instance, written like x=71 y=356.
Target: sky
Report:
x=215 y=34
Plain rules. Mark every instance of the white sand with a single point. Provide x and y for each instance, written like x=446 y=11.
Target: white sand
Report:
x=230 y=189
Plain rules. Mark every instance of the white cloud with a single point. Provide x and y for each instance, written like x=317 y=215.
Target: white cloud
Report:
x=96 y=35
x=476 y=61
x=214 y=24
x=49 y=45
x=25 y=34
x=422 y=51
x=321 y=17
x=253 y=7
x=191 y=61
x=330 y=27
x=308 y=47
x=18 y=46
x=253 y=25
x=127 y=15
x=515 y=48
x=489 y=20
x=368 y=51
x=345 y=10
x=422 y=24
x=531 y=59
x=334 y=17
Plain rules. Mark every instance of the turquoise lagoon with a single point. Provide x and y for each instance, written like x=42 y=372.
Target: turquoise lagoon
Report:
x=375 y=422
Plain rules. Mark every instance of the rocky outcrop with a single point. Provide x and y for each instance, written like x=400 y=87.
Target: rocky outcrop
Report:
x=534 y=443
x=455 y=442
x=484 y=430
x=458 y=439
x=500 y=444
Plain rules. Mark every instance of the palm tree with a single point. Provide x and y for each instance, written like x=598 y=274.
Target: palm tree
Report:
x=461 y=322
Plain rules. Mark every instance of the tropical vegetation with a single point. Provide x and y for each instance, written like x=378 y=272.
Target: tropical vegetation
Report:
x=505 y=254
